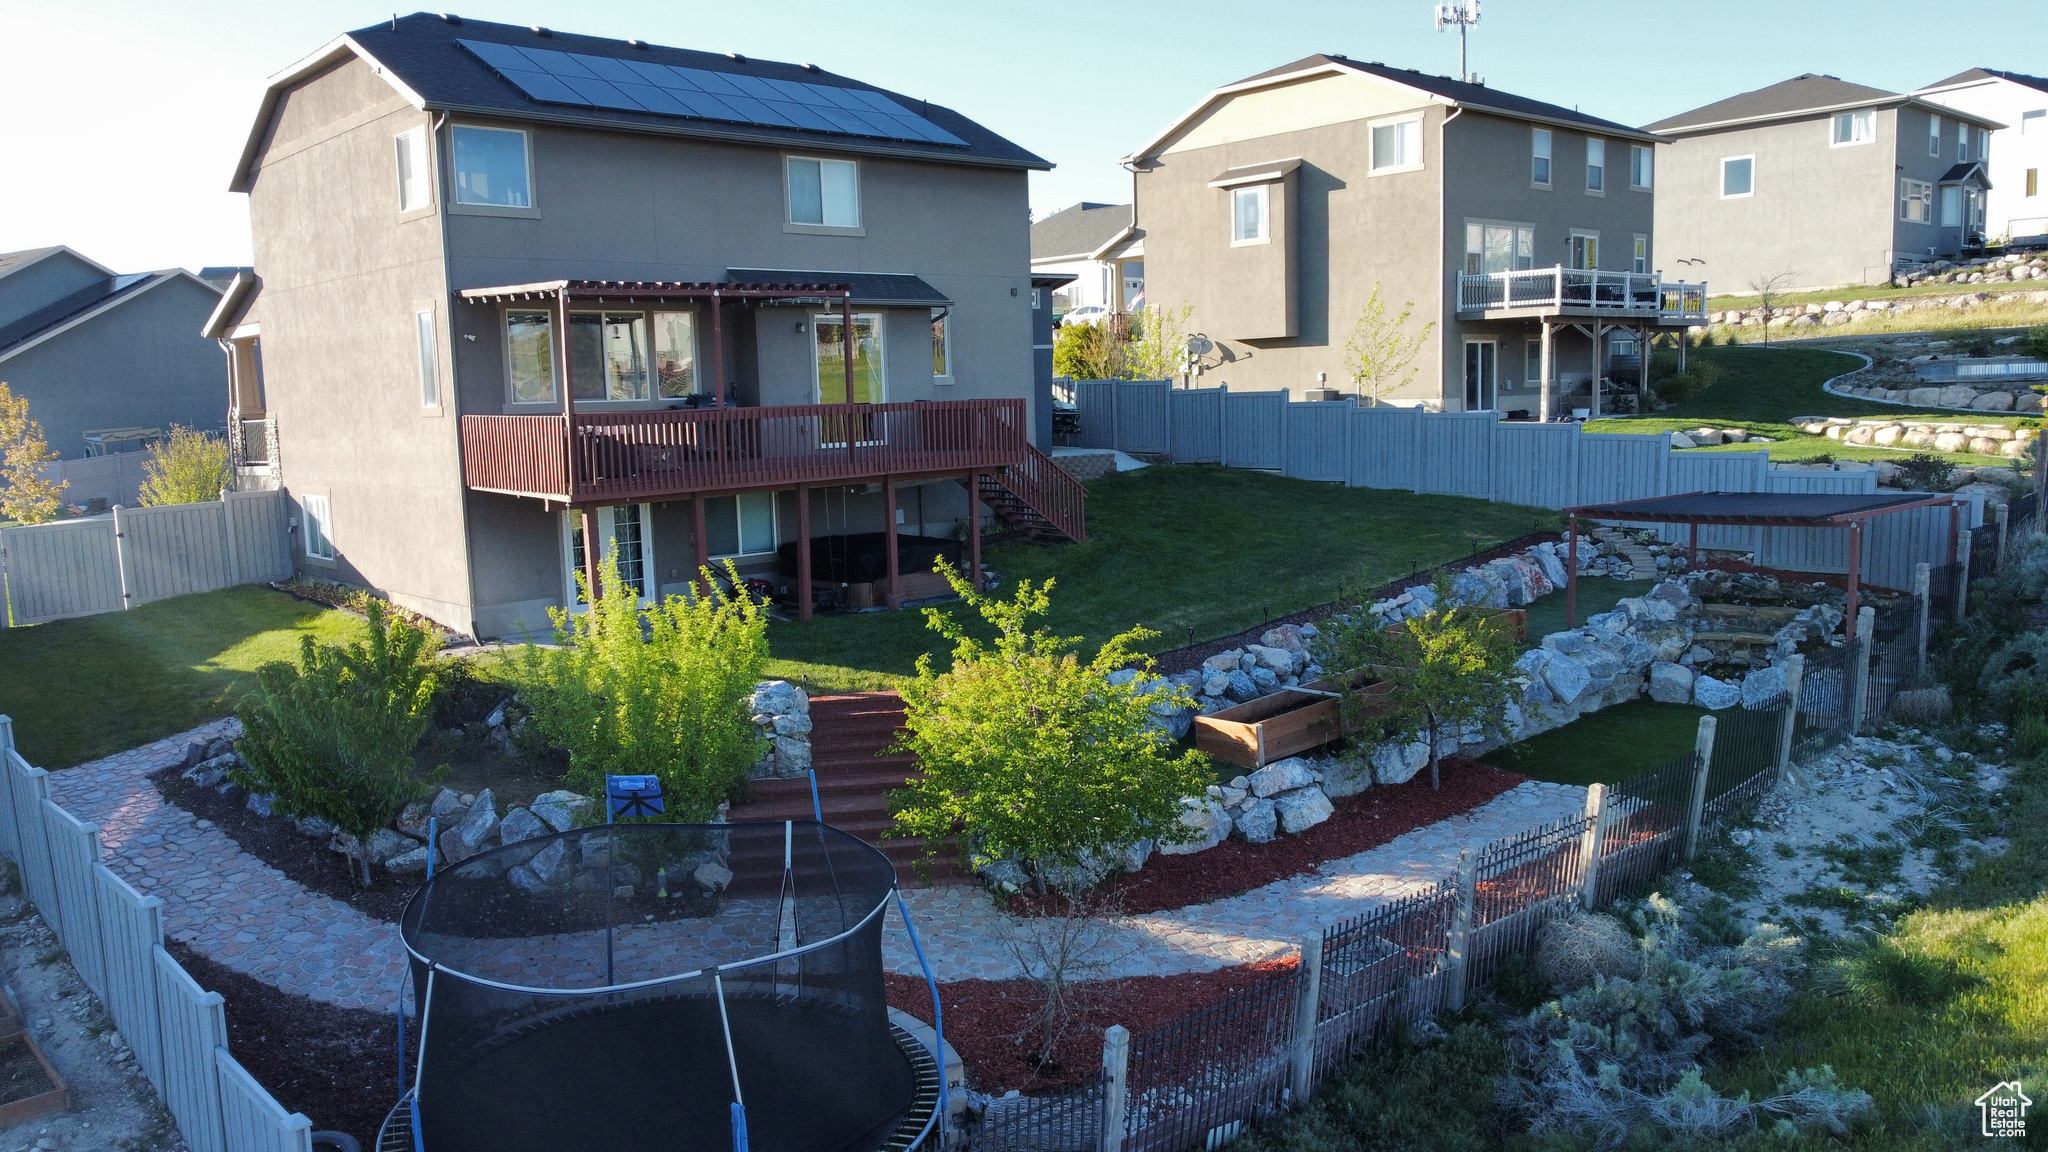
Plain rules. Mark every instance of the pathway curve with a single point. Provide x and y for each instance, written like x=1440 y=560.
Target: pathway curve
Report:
x=966 y=937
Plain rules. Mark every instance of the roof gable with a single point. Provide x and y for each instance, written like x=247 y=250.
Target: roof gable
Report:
x=1980 y=75
x=63 y=315
x=1079 y=230
x=12 y=262
x=1806 y=93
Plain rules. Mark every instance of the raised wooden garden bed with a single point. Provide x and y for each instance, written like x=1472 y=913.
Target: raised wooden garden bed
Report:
x=29 y=1086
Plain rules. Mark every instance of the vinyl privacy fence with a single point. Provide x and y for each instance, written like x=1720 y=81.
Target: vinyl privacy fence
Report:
x=1477 y=455
x=133 y=556
x=114 y=935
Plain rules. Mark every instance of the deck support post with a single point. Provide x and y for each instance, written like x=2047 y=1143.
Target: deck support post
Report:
x=889 y=541
x=1571 y=573
x=593 y=549
x=803 y=552
x=1548 y=406
x=1307 y=1006
x=1458 y=944
x=1788 y=723
x=1703 y=766
x=718 y=347
x=702 y=576
x=974 y=530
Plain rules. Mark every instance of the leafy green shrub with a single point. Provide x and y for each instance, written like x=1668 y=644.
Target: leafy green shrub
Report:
x=1926 y=472
x=1697 y=378
x=1881 y=972
x=2016 y=674
x=333 y=736
x=663 y=690
x=188 y=468
x=1032 y=753
x=2037 y=342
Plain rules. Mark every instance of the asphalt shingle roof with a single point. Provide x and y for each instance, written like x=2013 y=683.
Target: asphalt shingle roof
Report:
x=2034 y=82
x=1802 y=93
x=9 y=261
x=1474 y=95
x=85 y=299
x=1078 y=230
x=420 y=50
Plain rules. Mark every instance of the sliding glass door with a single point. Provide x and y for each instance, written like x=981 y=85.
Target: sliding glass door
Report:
x=830 y=359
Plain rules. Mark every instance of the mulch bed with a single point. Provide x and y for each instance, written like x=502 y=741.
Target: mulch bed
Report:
x=339 y=1066
x=1191 y=657
x=1367 y=820
x=273 y=840
x=993 y=1023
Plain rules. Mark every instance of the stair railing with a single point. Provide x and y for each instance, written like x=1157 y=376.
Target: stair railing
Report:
x=1048 y=490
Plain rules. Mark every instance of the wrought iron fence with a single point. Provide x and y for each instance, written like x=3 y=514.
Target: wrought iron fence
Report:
x=1824 y=711
x=1194 y=1080
x=1067 y=1119
x=1745 y=764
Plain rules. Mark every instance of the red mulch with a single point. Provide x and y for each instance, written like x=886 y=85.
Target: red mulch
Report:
x=1364 y=821
x=992 y=1023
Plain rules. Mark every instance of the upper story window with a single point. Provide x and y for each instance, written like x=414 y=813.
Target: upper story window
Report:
x=492 y=167
x=414 y=187
x=1858 y=127
x=1248 y=224
x=430 y=375
x=1639 y=256
x=608 y=355
x=1916 y=201
x=1962 y=141
x=942 y=340
x=1596 y=165
x=2032 y=123
x=825 y=193
x=1641 y=158
x=1499 y=247
x=1934 y=135
x=1539 y=156
x=1586 y=250
x=1397 y=145
x=1738 y=176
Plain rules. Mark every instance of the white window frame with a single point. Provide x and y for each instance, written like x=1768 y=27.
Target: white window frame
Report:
x=1725 y=162
x=880 y=320
x=554 y=396
x=415 y=169
x=1572 y=245
x=1933 y=135
x=1642 y=160
x=1949 y=210
x=1489 y=389
x=1540 y=142
x=650 y=584
x=1913 y=191
x=481 y=208
x=789 y=221
x=1962 y=142
x=1860 y=120
x=429 y=358
x=942 y=342
x=1639 y=254
x=316 y=526
x=1532 y=362
x=2031 y=185
x=2032 y=122
x=1262 y=195
x=1596 y=145
x=1520 y=256
x=1373 y=165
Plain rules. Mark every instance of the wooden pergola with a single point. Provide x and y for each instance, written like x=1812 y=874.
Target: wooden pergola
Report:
x=1759 y=510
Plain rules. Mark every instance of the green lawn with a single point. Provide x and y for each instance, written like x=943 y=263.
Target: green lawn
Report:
x=84 y=688
x=1761 y=389
x=1605 y=746
x=1190 y=551
x=1724 y=303
x=1597 y=594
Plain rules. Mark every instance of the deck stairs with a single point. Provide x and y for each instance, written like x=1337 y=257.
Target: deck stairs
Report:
x=1038 y=498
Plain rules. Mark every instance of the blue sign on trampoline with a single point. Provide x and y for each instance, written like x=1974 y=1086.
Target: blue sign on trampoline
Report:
x=634 y=795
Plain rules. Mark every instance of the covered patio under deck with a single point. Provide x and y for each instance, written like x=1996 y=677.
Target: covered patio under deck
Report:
x=591 y=460
x=1762 y=510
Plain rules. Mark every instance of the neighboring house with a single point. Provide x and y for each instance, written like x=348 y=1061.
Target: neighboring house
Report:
x=1520 y=230
x=2017 y=204
x=792 y=303
x=1094 y=244
x=107 y=361
x=1820 y=182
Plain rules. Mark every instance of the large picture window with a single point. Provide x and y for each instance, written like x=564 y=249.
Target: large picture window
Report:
x=831 y=359
x=825 y=193
x=675 y=354
x=608 y=355
x=530 y=351
x=1499 y=247
x=491 y=167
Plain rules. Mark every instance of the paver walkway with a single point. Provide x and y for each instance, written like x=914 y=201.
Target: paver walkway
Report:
x=228 y=905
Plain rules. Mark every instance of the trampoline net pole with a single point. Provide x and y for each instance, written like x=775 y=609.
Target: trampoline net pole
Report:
x=938 y=1013
x=426 y=1016
x=739 y=1103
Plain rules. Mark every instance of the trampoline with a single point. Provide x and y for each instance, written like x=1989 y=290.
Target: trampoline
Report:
x=656 y=986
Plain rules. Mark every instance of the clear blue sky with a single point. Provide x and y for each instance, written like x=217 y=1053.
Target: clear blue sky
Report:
x=124 y=117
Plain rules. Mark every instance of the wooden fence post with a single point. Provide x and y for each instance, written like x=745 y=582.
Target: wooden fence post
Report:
x=227 y=530
x=1307 y=1005
x=1922 y=581
x=1858 y=687
x=1703 y=766
x=1116 y=1071
x=121 y=558
x=1589 y=844
x=1457 y=947
x=1795 y=671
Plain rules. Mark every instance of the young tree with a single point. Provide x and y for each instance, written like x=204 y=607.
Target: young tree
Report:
x=1380 y=355
x=664 y=690
x=188 y=468
x=1445 y=672
x=1768 y=289
x=1082 y=352
x=333 y=735
x=28 y=497
x=1027 y=751
x=1157 y=347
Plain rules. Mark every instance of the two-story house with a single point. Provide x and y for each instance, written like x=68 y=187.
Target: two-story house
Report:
x=2016 y=205
x=1815 y=182
x=1094 y=244
x=1519 y=231
x=523 y=292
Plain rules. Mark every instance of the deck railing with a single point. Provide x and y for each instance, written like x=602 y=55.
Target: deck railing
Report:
x=646 y=455
x=1049 y=491
x=1628 y=293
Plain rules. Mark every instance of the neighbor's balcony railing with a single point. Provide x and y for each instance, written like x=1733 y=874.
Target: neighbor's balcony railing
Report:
x=255 y=443
x=1574 y=289
x=647 y=455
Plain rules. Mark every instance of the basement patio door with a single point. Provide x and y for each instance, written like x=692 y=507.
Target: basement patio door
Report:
x=626 y=526
x=1482 y=362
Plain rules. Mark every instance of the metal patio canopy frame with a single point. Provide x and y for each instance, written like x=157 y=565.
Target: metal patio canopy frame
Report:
x=717 y=292
x=1755 y=509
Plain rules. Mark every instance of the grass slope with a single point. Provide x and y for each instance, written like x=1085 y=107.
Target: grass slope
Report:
x=84 y=688
x=1751 y=300
x=1605 y=746
x=1190 y=551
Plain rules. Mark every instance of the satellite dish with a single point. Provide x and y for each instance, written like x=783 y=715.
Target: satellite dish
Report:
x=1199 y=345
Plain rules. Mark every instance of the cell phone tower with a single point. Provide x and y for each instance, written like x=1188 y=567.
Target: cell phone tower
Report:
x=1464 y=14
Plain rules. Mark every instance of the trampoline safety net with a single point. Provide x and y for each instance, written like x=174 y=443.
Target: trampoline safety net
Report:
x=570 y=989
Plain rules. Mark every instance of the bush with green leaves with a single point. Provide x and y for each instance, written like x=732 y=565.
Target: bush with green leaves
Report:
x=332 y=736
x=1926 y=472
x=188 y=468
x=1026 y=751
x=663 y=690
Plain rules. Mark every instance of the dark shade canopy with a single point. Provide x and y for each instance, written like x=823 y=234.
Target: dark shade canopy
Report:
x=879 y=288
x=1779 y=508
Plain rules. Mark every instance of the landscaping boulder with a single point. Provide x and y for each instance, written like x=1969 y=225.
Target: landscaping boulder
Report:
x=1553 y=568
x=1924 y=397
x=521 y=824
x=209 y=773
x=1397 y=761
x=260 y=803
x=1003 y=873
x=413 y=819
x=313 y=826
x=1568 y=643
x=1567 y=677
x=779 y=697
x=1715 y=695
x=409 y=863
x=1670 y=683
x=1347 y=776
x=712 y=876
x=1303 y=808
x=1206 y=819
x=1278 y=659
x=1257 y=821
x=1242 y=687
x=546 y=869
x=1215 y=683
x=1761 y=686
x=1287 y=637
x=445 y=805
x=1223 y=663
x=478 y=823
x=560 y=808
x=1281 y=776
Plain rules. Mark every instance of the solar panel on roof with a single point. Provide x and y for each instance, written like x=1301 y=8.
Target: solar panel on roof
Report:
x=579 y=79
